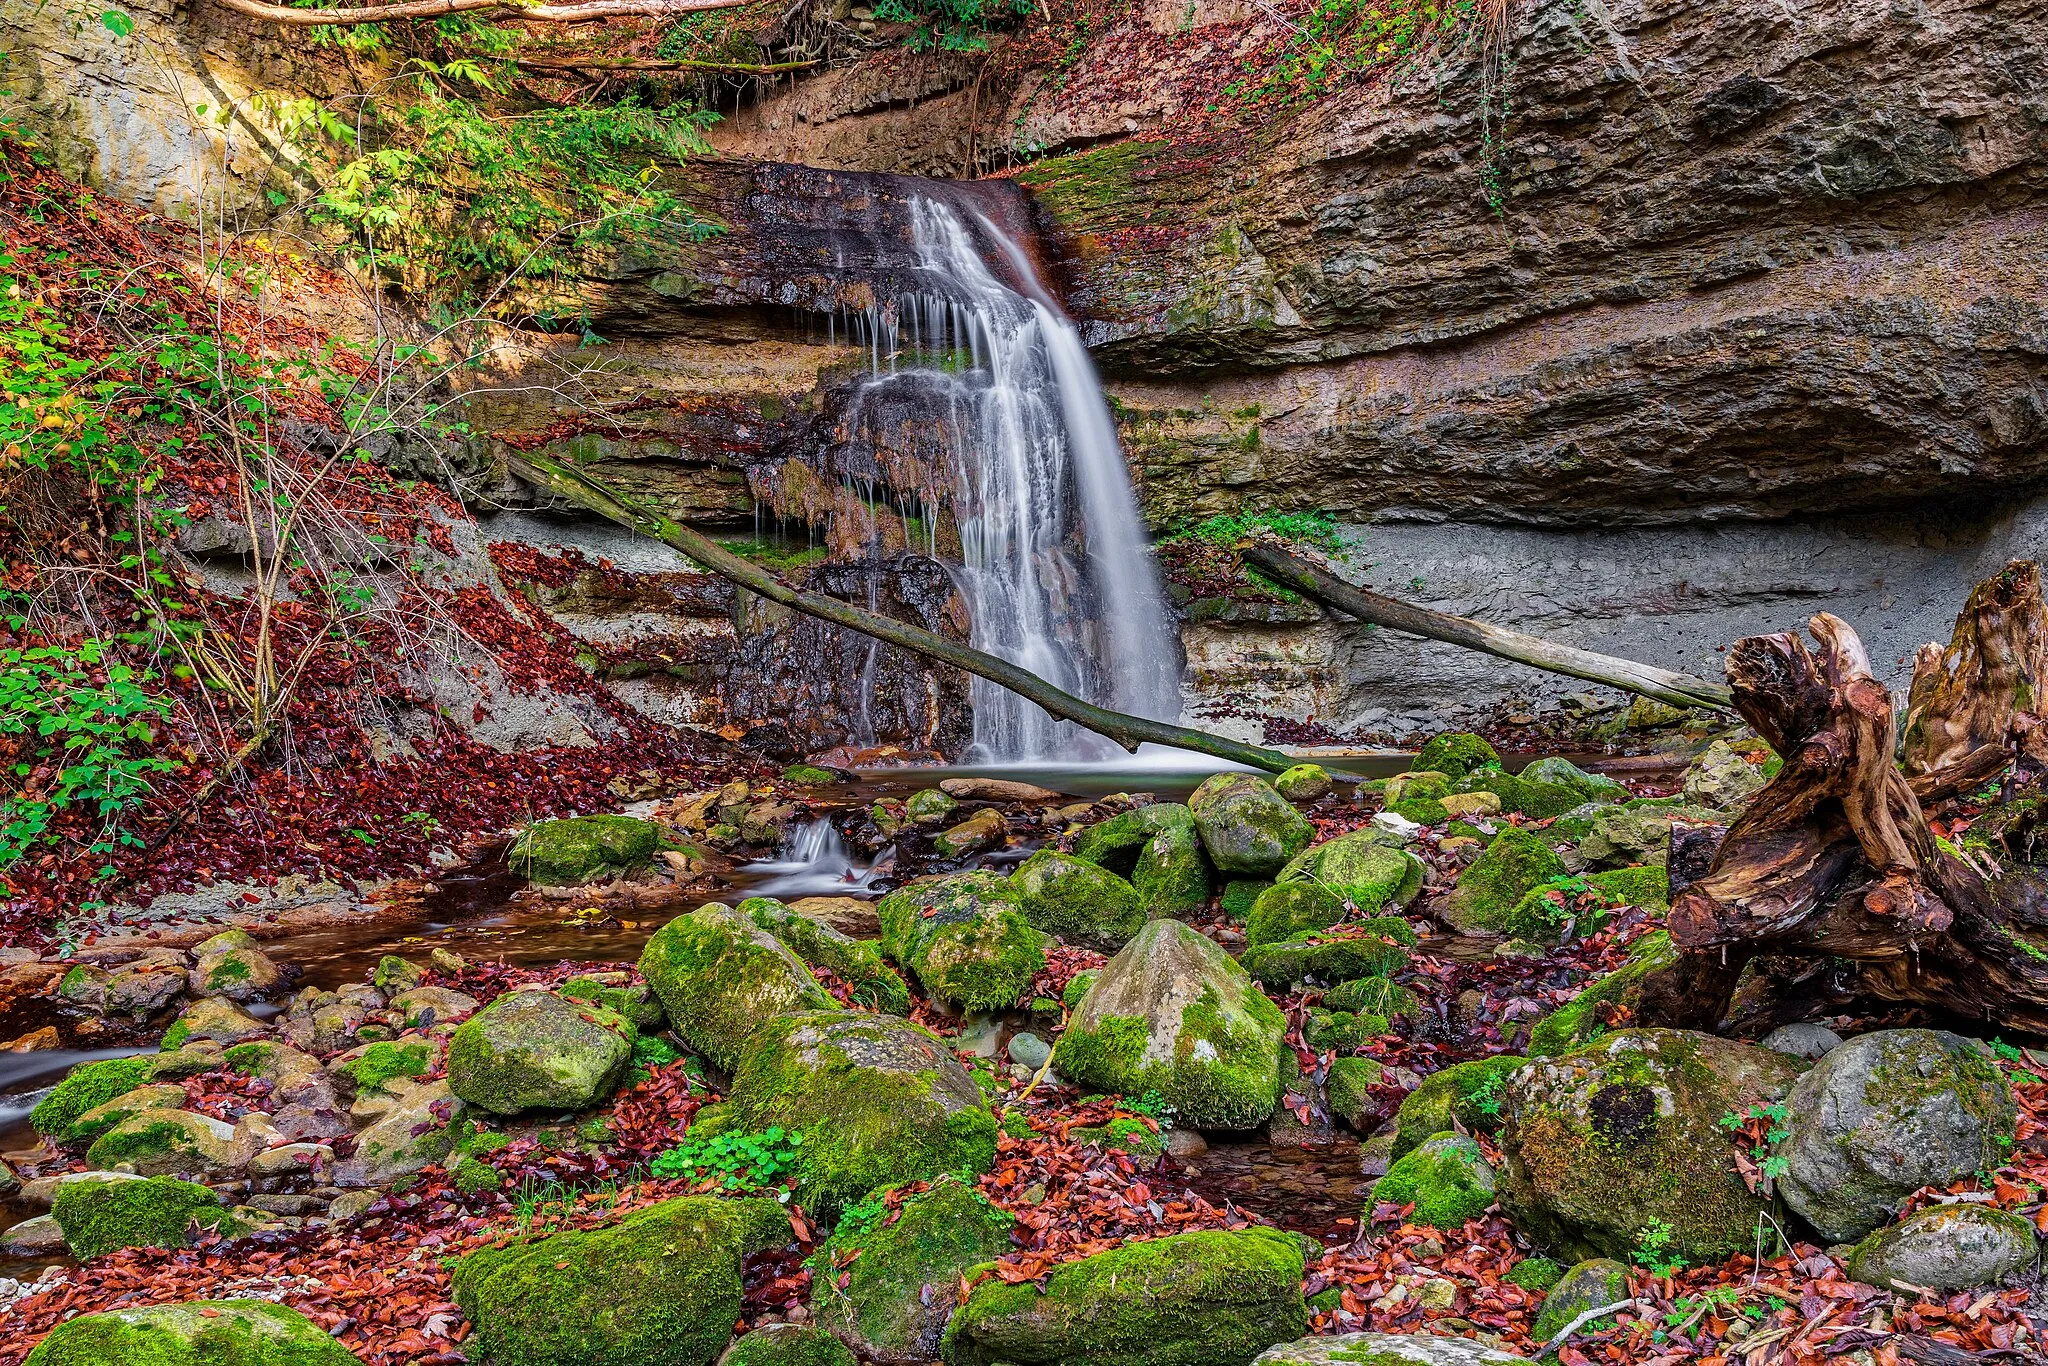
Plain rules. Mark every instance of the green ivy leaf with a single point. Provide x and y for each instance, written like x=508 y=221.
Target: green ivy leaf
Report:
x=117 y=23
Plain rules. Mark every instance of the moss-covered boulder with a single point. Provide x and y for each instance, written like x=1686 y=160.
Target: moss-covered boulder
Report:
x=1884 y=1114
x=104 y=1216
x=1637 y=833
x=1447 y=1179
x=1078 y=902
x=385 y=1067
x=965 y=937
x=1374 y=996
x=1562 y=772
x=196 y=1333
x=235 y=974
x=634 y=1000
x=1304 y=783
x=1247 y=827
x=416 y=1133
x=1350 y=1090
x=1455 y=753
x=985 y=829
x=1517 y=861
x=1385 y=1349
x=564 y=853
x=856 y=962
x=1467 y=1093
x=1364 y=948
x=214 y=1018
x=902 y=1273
x=533 y=1050
x=1583 y=906
x=173 y=1143
x=1591 y=1284
x=719 y=976
x=1723 y=778
x=1607 y=1002
x=788 y=1344
x=930 y=806
x=1172 y=1013
x=1159 y=850
x=1354 y=874
x=98 y=1120
x=1195 y=1299
x=1945 y=1247
x=659 y=1288
x=878 y=1101
x=87 y=1086
x=1623 y=1138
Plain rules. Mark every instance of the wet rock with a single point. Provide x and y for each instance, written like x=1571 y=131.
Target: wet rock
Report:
x=1466 y=1093
x=985 y=829
x=1624 y=1134
x=173 y=1143
x=203 y=1332
x=1365 y=948
x=36 y=1237
x=788 y=1344
x=291 y=1159
x=41 y=1193
x=138 y=991
x=236 y=974
x=1173 y=1013
x=1348 y=1089
x=411 y=1137
x=1303 y=783
x=1466 y=805
x=1611 y=999
x=98 y=1217
x=1385 y=1349
x=1455 y=754
x=848 y=915
x=1028 y=1050
x=394 y=975
x=1354 y=874
x=1883 y=1115
x=566 y=853
x=965 y=937
x=1592 y=1284
x=1561 y=772
x=1210 y=1297
x=83 y=987
x=1078 y=902
x=532 y=1050
x=1446 y=1178
x=1159 y=850
x=720 y=976
x=856 y=962
x=85 y=1087
x=1246 y=827
x=101 y=1118
x=810 y=775
x=903 y=1277
x=764 y=822
x=1722 y=778
x=995 y=790
x=388 y=1067
x=1945 y=1248
x=660 y=1285
x=1804 y=1040
x=213 y=1018
x=1549 y=911
x=930 y=806
x=1638 y=833
x=446 y=1006
x=1516 y=862
x=878 y=1100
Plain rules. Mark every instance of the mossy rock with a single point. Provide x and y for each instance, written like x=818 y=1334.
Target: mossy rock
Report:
x=1240 y=894
x=1945 y=1248
x=1561 y=772
x=1133 y=1136
x=930 y=806
x=214 y=1018
x=1467 y=1093
x=1287 y=909
x=659 y=1288
x=1615 y=995
x=533 y=1050
x=1623 y=1136
x=1172 y=1013
x=638 y=1003
x=1416 y=785
x=1360 y=950
x=1157 y=848
x=1246 y=827
x=1544 y=910
x=1078 y=902
x=565 y=853
x=86 y=1087
x=1349 y=1090
x=101 y=1118
x=99 y=1217
x=1446 y=1178
x=1386 y=1349
x=1455 y=753
x=1539 y=1274
x=412 y=1135
x=170 y=1143
x=1591 y=1284
x=195 y=1333
x=1636 y=833
x=856 y=962
x=720 y=976
x=1195 y=1299
x=1340 y=1031
x=788 y=1344
x=387 y=1066
x=1517 y=861
x=878 y=1100
x=1303 y=783
x=965 y=937
x=394 y=975
x=903 y=1276
x=809 y=775
x=1313 y=891
x=1374 y=996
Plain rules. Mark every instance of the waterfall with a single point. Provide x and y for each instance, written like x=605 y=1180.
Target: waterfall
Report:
x=1056 y=569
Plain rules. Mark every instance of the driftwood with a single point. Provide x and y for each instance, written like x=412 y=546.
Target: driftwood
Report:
x=1985 y=688
x=1312 y=581
x=1835 y=858
x=1128 y=731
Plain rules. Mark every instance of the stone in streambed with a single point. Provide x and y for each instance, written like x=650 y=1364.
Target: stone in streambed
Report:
x=965 y=937
x=1365 y=948
x=101 y=1118
x=1385 y=1349
x=985 y=829
x=1722 y=778
x=1455 y=753
x=1446 y=1178
x=930 y=806
x=787 y=1344
x=1543 y=911
x=196 y=1333
x=1078 y=902
x=857 y=962
x=1637 y=833
x=1616 y=995
x=84 y=1088
x=720 y=976
x=532 y=1050
x=1247 y=827
x=101 y=1216
x=1194 y=1299
x=413 y=1134
x=1945 y=1248
x=1517 y=861
x=1591 y=1284
x=996 y=790
x=173 y=1143
x=1304 y=783
x=565 y=853
x=1355 y=871
x=214 y=1018
x=1159 y=850
x=661 y=1287
x=1467 y=1093
x=1173 y=1013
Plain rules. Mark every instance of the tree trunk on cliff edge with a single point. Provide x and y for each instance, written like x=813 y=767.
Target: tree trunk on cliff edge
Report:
x=1985 y=688
x=1835 y=858
x=1128 y=731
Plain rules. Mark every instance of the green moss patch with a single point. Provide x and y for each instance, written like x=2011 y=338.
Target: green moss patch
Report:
x=564 y=853
x=198 y=1333
x=86 y=1087
x=1446 y=1179
x=104 y=1216
x=1517 y=861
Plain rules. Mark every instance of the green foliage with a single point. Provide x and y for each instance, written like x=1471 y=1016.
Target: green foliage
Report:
x=741 y=1162
x=776 y=556
x=950 y=25
x=651 y=1051
x=1340 y=39
x=1655 y=1249
x=1318 y=529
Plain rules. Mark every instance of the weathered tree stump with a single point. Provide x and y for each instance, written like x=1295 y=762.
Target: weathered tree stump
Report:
x=1985 y=688
x=1835 y=857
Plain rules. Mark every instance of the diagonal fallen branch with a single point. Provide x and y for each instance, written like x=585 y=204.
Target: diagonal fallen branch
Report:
x=1312 y=581
x=1128 y=731
x=587 y=10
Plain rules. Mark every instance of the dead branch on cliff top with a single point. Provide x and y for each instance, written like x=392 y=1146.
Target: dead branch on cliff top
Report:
x=1128 y=731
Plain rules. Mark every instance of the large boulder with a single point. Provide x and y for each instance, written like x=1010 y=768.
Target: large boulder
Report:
x=1623 y=1138
x=1447 y=1180
x=1355 y=873
x=1557 y=771
x=719 y=976
x=661 y=1287
x=1385 y=1349
x=1945 y=1247
x=1078 y=902
x=1344 y=953
x=1304 y=783
x=1249 y=829
x=1467 y=1093
x=532 y=1050
x=898 y=1280
x=856 y=962
x=965 y=937
x=96 y=1121
x=1158 y=848
x=1172 y=1013
x=414 y=1134
x=1883 y=1115
x=173 y=1143
x=233 y=972
x=196 y=1333
x=1516 y=862
x=563 y=853
x=878 y=1100
x=1194 y=1299
x=104 y=1216
x=1612 y=998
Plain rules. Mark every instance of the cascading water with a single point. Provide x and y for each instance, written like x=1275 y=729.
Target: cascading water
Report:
x=813 y=861
x=1056 y=571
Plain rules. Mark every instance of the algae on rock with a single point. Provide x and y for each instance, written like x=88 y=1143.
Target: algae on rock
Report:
x=1078 y=902
x=903 y=1277
x=720 y=977
x=1516 y=862
x=563 y=853
x=195 y=1333
x=533 y=1050
x=965 y=937
x=1247 y=827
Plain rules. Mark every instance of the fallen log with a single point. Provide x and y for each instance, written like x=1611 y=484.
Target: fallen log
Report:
x=1314 y=582
x=1126 y=730
x=1985 y=688
x=1835 y=858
